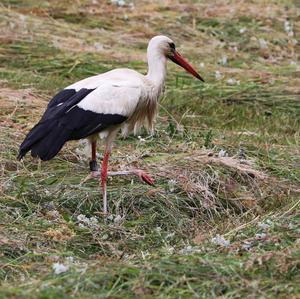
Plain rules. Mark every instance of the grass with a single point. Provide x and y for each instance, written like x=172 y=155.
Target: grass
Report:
x=223 y=218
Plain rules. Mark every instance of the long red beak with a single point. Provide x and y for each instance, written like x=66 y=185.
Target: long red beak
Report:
x=178 y=59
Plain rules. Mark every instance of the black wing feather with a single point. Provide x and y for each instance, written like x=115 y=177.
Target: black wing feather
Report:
x=62 y=121
x=61 y=97
x=56 y=108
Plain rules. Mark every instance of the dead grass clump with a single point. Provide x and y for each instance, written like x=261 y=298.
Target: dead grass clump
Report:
x=8 y=240
x=229 y=9
x=64 y=36
x=19 y=109
x=11 y=99
x=61 y=234
x=218 y=183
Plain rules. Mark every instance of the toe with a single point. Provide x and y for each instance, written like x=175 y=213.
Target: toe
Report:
x=147 y=179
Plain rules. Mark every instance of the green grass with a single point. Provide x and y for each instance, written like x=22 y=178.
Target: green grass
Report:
x=158 y=241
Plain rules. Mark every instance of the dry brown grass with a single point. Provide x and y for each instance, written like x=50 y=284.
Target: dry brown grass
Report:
x=157 y=241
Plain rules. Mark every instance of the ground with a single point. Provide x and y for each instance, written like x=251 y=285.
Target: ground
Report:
x=223 y=218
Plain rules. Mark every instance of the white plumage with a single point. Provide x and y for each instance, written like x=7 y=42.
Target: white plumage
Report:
x=101 y=105
x=110 y=97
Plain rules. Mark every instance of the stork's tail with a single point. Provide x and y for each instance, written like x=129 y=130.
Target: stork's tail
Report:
x=45 y=140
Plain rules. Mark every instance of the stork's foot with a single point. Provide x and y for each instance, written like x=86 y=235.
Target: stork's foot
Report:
x=95 y=173
x=92 y=175
x=144 y=177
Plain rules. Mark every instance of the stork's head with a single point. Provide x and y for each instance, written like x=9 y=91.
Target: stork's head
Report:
x=165 y=46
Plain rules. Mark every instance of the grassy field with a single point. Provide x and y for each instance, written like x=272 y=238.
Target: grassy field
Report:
x=223 y=219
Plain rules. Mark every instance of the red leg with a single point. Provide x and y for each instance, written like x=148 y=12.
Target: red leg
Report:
x=104 y=179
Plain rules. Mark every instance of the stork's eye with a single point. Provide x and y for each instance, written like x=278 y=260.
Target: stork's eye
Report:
x=172 y=46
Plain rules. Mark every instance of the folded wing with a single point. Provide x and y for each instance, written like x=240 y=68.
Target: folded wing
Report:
x=73 y=115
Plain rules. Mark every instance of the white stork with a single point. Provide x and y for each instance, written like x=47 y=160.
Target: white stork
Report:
x=99 y=106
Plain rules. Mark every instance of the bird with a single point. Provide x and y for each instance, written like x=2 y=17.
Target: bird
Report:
x=99 y=107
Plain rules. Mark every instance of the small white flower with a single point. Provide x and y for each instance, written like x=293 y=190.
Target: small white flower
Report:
x=202 y=65
x=263 y=226
x=118 y=219
x=145 y=254
x=222 y=153
x=234 y=49
x=110 y=217
x=220 y=240
x=12 y=25
x=82 y=218
x=105 y=237
x=141 y=139
x=263 y=44
x=87 y=222
x=218 y=75
x=118 y=2
x=93 y=220
x=260 y=236
x=171 y=185
x=60 y=268
x=223 y=60
x=288 y=28
x=98 y=46
x=247 y=245
x=243 y=30
x=70 y=259
x=22 y=18
x=169 y=249
x=233 y=82
x=170 y=235
x=126 y=18
x=189 y=250
x=158 y=229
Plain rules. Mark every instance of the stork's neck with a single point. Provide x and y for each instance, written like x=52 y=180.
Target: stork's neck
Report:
x=157 y=67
